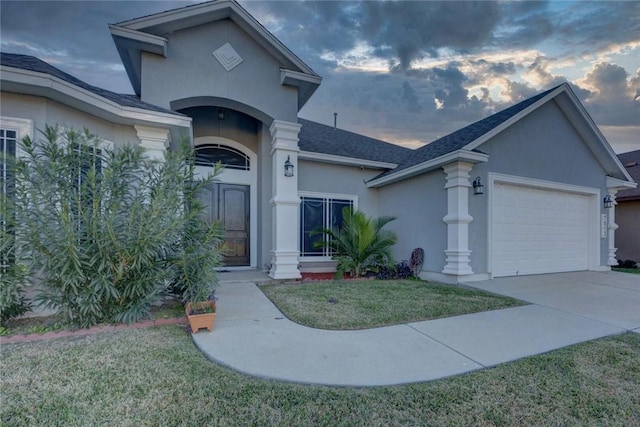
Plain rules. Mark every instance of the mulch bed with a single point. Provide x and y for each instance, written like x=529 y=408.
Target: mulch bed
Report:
x=90 y=331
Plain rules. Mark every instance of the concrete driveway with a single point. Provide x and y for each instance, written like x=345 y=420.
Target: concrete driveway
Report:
x=608 y=297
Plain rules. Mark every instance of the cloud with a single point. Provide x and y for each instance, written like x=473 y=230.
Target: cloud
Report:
x=524 y=23
x=594 y=26
x=539 y=74
x=411 y=99
x=400 y=32
x=404 y=71
x=73 y=35
x=611 y=95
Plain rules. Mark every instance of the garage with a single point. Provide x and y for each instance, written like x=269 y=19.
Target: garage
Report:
x=539 y=230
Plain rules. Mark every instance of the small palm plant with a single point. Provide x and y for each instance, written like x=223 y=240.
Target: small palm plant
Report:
x=360 y=243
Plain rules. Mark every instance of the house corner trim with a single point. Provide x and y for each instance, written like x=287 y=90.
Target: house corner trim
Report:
x=612 y=227
x=154 y=140
x=458 y=255
x=285 y=203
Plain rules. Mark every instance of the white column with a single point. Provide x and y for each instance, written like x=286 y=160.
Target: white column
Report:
x=458 y=218
x=154 y=140
x=285 y=204
x=612 y=226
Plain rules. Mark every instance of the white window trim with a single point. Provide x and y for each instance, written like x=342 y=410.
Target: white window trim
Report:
x=301 y=194
x=594 y=262
x=23 y=127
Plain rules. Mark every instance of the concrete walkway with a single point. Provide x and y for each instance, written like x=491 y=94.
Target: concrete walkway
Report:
x=253 y=337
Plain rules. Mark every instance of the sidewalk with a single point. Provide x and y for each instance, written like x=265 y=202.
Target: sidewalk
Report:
x=253 y=337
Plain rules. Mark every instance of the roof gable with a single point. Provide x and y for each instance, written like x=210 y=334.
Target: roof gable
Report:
x=148 y=34
x=465 y=136
x=470 y=138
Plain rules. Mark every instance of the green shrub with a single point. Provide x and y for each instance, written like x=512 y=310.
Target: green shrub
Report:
x=360 y=243
x=13 y=275
x=13 y=302
x=199 y=252
x=107 y=226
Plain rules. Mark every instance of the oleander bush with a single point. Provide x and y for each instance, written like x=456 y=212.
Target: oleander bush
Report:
x=110 y=230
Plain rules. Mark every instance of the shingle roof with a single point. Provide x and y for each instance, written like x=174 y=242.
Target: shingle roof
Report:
x=460 y=138
x=631 y=161
x=26 y=62
x=319 y=138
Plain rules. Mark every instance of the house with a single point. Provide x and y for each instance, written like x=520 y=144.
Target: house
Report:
x=628 y=211
x=520 y=192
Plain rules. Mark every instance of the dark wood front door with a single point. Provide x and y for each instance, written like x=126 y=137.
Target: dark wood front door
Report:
x=229 y=204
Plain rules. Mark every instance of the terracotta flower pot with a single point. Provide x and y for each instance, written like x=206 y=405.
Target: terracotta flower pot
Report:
x=204 y=315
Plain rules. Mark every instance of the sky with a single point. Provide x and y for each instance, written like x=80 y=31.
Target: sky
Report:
x=404 y=72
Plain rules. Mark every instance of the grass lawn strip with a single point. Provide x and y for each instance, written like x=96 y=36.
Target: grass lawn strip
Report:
x=627 y=270
x=375 y=303
x=157 y=377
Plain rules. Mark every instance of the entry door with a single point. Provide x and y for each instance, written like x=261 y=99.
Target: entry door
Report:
x=229 y=204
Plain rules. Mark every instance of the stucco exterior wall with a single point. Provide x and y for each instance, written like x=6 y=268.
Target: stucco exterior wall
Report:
x=191 y=70
x=544 y=146
x=337 y=179
x=419 y=204
x=628 y=233
x=43 y=111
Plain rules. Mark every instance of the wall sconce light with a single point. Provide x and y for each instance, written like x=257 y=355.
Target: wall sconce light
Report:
x=220 y=114
x=608 y=202
x=478 y=188
x=288 y=167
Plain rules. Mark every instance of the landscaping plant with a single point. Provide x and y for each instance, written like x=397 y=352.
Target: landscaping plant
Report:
x=13 y=275
x=360 y=244
x=110 y=229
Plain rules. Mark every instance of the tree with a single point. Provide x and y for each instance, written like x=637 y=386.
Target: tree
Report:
x=360 y=243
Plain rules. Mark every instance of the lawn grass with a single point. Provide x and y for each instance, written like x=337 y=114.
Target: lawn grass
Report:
x=627 y=270
x=157 y=377
x=374 y=303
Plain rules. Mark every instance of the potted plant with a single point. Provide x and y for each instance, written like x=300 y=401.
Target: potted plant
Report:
x=201 y=314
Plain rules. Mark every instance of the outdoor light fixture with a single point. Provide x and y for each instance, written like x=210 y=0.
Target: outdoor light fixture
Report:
x=288 y=167
x=478 y=188
x=220 y=114
x=608 y=202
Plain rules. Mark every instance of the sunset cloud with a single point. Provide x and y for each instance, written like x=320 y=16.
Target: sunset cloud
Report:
x=406 y=72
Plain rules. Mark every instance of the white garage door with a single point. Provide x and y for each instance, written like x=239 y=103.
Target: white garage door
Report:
x=538 y=230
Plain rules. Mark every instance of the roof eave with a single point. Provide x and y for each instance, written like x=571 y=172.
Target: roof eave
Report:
x=428 y=166
x=580 y=120
x=516 y=117
x=587 y=128
x=305 y=83
x=343 y=160
x=34 y=83
x=130 y=45
x=619 y=184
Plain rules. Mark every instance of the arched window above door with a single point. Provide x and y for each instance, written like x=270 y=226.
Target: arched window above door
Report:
x=210 y=154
